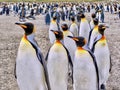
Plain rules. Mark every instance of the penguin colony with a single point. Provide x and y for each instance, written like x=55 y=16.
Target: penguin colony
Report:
x=79 y=53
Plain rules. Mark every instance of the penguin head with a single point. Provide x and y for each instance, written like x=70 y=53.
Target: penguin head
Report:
x=82 y=15
x=80 y=41
x=54 y=18
x=93 y=15
x=28 y=27
x=58 y=34
x=95 y=21
x=64 y=27
x=101 y=28
x=72 y=19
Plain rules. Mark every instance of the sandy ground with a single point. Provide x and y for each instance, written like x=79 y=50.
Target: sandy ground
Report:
x=10 y=36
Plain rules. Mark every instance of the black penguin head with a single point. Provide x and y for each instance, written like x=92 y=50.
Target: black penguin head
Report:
x=72 y=19
x=54 y=18
x=101 y=28
x=58 y=34
x=82 y=15
x=28 y=27
x=64 y=27
x=95 y=21
x=80 y=41
x=93 y=15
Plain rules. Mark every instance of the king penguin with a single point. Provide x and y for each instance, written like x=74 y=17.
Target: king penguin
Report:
x=30 y=69
x=53 y=26
x=85 y=70
x=74 y=27
x=84 y=27
x=102 y=54
x=58 y=62
x=93 y=15
x=69 y=43
x=93 y=33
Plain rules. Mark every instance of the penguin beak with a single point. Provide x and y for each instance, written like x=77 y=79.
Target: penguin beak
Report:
x=22 y=25
x=55 y=32
x=74 y=38
x=105 y=27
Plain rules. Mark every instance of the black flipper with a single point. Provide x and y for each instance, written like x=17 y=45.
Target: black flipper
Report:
x=15 y=71
x=96 y=67
x=46 y=58
x=89 y=36
x=42 y=61
x=70 y=62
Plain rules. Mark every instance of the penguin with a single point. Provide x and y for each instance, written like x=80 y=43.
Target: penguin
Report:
x=74 y=27
x=68 y=43
x=84 y=27
x=58 y=63
x=30 y=70
x=85 y=70
x=98 y=15
x=93 y=15
x=93 y=33
x=53 y=26
x=101 y=51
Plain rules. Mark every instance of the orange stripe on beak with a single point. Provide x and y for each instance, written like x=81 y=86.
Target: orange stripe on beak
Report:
x=75 y=39
x=23 y=26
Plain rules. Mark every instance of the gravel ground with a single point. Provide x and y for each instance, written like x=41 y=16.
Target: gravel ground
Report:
x=10 y=36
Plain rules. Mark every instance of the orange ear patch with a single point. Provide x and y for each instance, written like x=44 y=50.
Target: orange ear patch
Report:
x=34 y=30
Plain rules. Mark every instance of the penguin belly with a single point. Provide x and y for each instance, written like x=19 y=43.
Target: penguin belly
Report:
x=84 y=30
x=103 y=61
x=58 y=68
x=92 y=38
x=91 y=25
x=84 y=73
x=29 y=70
x=74 y=30
x=71 y=46
x=53 y=26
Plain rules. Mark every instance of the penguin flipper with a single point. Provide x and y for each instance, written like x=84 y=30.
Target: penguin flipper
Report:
x=45 y=71
x=70 y=63
x=89 y=36
x=96 y=66
x=46 y=58
x=42 y=61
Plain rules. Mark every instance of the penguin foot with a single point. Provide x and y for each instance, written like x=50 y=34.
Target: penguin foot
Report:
x=102 y=87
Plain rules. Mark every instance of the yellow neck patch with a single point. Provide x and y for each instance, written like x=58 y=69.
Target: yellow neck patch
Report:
x=80 y=50
x=103 y=41
x=24 y=39
x=53 y=21
x=73 y=23
x=57 y=46
x=96 y=28
x=83 y=20
x=66 y=33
